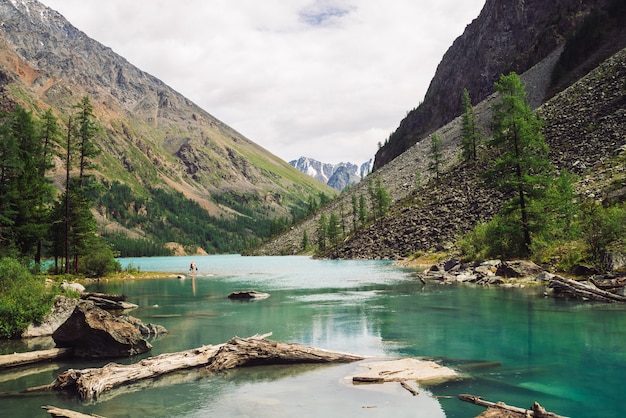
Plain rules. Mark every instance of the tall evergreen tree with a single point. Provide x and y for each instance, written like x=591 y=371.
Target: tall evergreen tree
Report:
x=470 y=135
x=10 y=168
x=333 y=228
x=355 y=213
x=35 y=192
x=362 y=210
x=86 y=130
x=436 y=155
x=522 y=164
x=322 y=229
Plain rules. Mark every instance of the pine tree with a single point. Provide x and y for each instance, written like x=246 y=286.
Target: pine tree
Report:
x=362 y=210
x=470 y=136
x=522 y=166
x=322 y=228
x=86 y=130
x=355 y=213
x=333 y=228
x=436 y=155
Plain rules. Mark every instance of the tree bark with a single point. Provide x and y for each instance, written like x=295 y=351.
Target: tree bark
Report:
x=536 y=411
x=66 y=413
x=585 y=291
x=89 y=384
x=19 y=359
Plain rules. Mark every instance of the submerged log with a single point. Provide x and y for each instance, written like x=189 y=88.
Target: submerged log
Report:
x=496 y=408
x=248 y=294
x=89 y=384
x=20 y=359
x=66 y=413
x=582 y=290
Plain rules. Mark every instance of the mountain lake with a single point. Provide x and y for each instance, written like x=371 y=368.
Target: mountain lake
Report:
x=510 y=344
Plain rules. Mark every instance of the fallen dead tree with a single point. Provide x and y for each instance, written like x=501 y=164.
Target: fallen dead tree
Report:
x=496 y=409
x=20 y=359
x=66 y=413
x=89 y=384
x=562 y=286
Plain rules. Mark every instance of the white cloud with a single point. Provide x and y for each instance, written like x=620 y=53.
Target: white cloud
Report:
x=326 y=79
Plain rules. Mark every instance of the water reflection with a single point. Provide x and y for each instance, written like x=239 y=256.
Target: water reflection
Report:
x=511 y=344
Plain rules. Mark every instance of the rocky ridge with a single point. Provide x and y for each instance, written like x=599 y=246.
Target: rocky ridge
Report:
x=337 y=176
x=584 y=127
x=506 y=36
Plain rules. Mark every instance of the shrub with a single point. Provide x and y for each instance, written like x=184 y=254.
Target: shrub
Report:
x=23 y=298
x=603 y=229
x=498 y=238
x=100 y=261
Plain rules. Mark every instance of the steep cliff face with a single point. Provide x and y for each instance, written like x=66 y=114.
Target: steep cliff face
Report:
x=152 y=136
x=506 y=36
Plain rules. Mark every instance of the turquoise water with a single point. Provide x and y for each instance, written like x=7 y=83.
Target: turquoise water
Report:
x=512 y=345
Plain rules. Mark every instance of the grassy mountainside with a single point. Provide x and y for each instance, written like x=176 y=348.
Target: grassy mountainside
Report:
x=163 y=158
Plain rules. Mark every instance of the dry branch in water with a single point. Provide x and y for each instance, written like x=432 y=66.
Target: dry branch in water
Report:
x=496 y=408
x=238 y=352
x=20 y=359
x=66 y=413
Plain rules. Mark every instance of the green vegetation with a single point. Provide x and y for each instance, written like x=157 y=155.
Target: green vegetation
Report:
x=522 y=166
x=544 y=218
x=436 y=155
x=470 y=135
x=23 y=298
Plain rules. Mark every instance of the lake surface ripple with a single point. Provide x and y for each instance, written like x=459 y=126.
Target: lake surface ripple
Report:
x=511 y=345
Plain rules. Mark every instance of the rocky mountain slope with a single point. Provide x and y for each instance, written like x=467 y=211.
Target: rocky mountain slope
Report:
x=584 y=126
x=506 y=36
x=337 y=176
x=152 y=136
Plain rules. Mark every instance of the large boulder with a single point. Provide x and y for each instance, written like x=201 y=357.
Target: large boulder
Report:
x=518 y=268
x=95 y=333
x=60 y=312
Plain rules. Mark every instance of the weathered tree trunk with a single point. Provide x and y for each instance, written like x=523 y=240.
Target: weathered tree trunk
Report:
x=584 y=291
x=66 y=413
x=537 y=411
x=238 y=352
x=19 y=359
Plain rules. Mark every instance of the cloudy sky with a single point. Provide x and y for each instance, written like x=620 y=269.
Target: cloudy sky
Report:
x=326 y=79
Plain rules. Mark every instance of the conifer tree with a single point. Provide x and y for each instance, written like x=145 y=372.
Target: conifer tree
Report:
x=322 y=228
x=436 y=155
x=333 y=228
x=355 y=213
x=522 y=166
x=470 y=135
x=362 y=210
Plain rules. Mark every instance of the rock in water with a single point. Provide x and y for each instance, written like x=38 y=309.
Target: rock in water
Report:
x=94 y=333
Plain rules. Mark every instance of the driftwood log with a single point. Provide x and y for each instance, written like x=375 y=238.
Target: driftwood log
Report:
x=20 y=359
x=89 y=384
x=577 y=289
x=66 y=413
x=115 y=298
x=536 y=411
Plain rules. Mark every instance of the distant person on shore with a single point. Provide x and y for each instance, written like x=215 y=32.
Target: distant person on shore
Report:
x=192 y=267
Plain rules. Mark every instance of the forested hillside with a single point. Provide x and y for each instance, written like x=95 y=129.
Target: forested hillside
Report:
x=164 y=171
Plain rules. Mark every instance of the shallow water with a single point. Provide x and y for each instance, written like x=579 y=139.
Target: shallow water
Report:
x=512 y=345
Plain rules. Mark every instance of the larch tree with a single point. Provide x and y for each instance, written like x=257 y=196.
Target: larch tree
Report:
x=470 y=135
x=521 y=167
x=436 y=155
